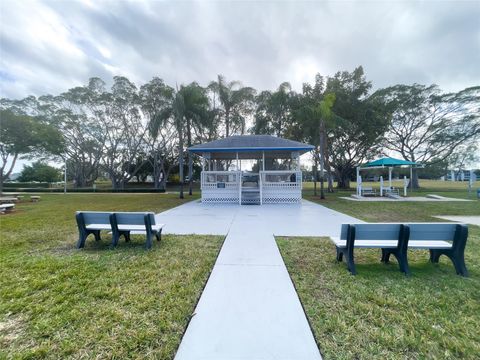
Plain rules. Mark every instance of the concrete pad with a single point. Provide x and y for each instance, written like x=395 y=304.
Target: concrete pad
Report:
x=410 y=198
x=473 y=220
x=249 y=308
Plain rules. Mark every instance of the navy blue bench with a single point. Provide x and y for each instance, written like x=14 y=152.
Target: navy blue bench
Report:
x=91 y=222
x=125 y=223
x=447 y=239
x=391 y=238
x=119 y=223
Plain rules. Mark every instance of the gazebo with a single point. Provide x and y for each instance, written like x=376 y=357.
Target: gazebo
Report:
x=270 y=182
x=386 y=162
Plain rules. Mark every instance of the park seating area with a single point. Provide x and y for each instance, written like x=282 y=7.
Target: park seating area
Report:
x=6 y=208
x=395 y=239
x=119 y=224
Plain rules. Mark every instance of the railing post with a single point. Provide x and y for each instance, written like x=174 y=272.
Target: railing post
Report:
x=239 y=187
x=260 y=173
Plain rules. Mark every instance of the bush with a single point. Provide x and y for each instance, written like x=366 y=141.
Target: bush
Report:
x=39 y=171
x=85 y=190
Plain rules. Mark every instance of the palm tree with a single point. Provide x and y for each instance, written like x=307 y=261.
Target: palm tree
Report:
x=326 y=116
x=316 y=118
x=235 y=100
x=185 y=107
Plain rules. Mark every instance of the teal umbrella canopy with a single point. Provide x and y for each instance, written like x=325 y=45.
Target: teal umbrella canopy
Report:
x=388 y=161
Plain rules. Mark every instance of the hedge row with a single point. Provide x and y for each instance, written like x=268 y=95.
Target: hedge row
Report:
x=26 y=185
x=87 y=190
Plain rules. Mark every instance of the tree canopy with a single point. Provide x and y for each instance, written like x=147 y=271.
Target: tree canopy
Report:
x=125 y=132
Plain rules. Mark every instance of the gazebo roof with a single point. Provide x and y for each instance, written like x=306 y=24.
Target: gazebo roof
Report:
x=250 y=147
x=388 y=161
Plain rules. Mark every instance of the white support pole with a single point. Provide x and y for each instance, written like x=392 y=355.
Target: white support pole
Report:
x=405 y=185
x=452 y=175
x=390 y=177
x=263 y=160
x=359 y=185
x=381 y=185
x=237 y=159
x=359 y=189
x=65 y=177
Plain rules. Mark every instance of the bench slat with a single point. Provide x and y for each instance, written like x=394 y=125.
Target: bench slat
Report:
x=368 y=243
x=98 y=226
x=133 y=218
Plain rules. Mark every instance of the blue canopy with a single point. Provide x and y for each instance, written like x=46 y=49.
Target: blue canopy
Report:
x=388 y=162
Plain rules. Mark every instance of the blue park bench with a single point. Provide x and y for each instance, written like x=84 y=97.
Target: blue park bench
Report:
x=119 y=223
x=447 y=239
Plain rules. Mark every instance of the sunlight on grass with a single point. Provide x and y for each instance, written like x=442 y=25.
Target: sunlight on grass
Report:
x=380 y=313
x=58 y=301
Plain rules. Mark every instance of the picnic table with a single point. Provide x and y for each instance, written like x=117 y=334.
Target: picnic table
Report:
x=8 y=200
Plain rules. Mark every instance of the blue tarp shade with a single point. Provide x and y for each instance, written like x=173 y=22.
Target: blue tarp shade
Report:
x=387 y=162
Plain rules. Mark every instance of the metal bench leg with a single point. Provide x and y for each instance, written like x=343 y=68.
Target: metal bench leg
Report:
x=434 y=256
x=81 y=240
x=96 y=233
x=339 y=254
x=402 y=262
x=458 y=261
x=126 y=235
x=351 y=263
x=385 y=256
x=148 y=244
x=115 y=238
x=158 y=235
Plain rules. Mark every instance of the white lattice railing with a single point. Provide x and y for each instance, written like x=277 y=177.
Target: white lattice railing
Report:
x=221 y=186
x=275 y=187
x=281 y=187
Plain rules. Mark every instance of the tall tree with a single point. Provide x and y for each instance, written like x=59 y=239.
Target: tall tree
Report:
x=23 y=136
x=428 y=126
x=187 y=105
x=236 y=102
x=124 y=129
x=273 y=111
x=160 y=140
x=361 y=122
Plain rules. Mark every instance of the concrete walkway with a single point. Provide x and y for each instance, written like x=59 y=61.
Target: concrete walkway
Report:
x=249 y=308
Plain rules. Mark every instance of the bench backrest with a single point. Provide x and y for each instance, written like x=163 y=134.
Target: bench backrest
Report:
x=432 y=231
x=95 y=217
x=376 y=231
x=134 y=218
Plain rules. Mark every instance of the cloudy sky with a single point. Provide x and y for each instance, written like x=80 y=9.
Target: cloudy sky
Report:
x=50 y=46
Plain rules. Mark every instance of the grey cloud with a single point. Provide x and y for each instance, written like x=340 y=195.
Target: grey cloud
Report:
x=260 y=43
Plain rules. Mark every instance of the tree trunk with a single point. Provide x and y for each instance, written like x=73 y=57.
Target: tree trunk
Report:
x=227 y=123
x=180 y=164
x=414 y=180
x=344 y=181
x=190 y=173
x=328 y=168
x=322 y=160
x=315 y=175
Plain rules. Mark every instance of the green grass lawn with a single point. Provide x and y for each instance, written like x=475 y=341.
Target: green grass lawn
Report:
x=380 y=313
x=57 y=301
